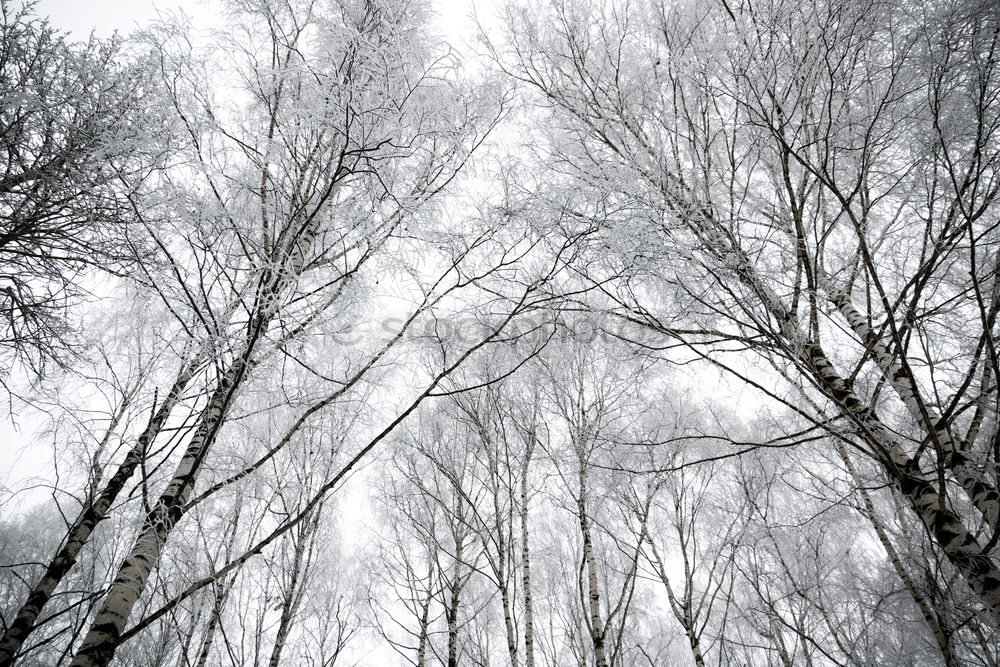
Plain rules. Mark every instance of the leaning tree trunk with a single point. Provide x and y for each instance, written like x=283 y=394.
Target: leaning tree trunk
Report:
x=290 y=603
x=92 y=514
x=959 y=545
x=222 y=589
x=105 y=631
x=104 y=635
x=218 y=604
x=940 y=637
x=867 y=510
x=961 y=548
x=954 y=456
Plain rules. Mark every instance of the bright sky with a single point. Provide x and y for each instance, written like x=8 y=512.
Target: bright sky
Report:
x=106 y=16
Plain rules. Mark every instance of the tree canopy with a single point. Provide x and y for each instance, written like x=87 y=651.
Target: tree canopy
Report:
x=618 y=333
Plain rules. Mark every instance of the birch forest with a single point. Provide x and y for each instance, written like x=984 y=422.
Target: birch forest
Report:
x=606 y=333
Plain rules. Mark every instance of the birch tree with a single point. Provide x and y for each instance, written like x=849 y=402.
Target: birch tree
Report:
x=505 y=430
x=769 y=185
x=695 y=365
x=341 y=144
x=591 y=400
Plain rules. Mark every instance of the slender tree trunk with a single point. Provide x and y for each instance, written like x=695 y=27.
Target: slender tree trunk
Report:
x=102 y=639
x=453 y=606
x=223 y=586
x=218 y=604
x=682 y=613
x=687 y=611
x=105 y=631
x=508 y=622
x=424 y=621
x=292 y=596
x=505 y=558
x=959 y=545
x=508 y=619
x=285 y=624
x=897 y=564
x=529 y=622
x=183 y=660
x=779 y=644
x=941 y=637
x=91 y=515
x=593 y=581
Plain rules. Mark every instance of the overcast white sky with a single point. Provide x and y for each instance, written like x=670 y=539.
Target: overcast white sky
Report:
x=106 y=16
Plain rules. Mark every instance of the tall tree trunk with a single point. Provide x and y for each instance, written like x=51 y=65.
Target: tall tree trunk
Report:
x=529 y=623
x=104 y=635
x=593 y=581
x=508 y=623
x=218 y=604
x=683 y=613
x=183 y=659
x=91 y=515
x=223 y=586
x=504 y=564
x=959 y=545
x=423 y=636
x=293 y=594
x=954 y=456
x=940 y=637
x=454 y=604
x=779 y=643
x=505 y=601
x=285 y=624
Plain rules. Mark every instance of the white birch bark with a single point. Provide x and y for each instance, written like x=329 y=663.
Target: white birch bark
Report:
x=977 y=567
x=980 y=490
x=596 y=623
x=102 y=638
x=293 y=594
x=91 y=515
x=529 y=614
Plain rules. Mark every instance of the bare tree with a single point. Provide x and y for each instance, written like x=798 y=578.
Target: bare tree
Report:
x=334 y=190
x=695 y=364
x=592 y=399
x=767 y=201
x=76 y=141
